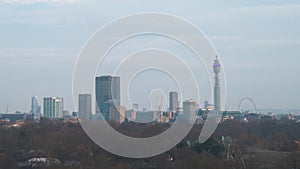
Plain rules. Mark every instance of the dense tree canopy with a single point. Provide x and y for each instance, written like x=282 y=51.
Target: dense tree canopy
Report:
x=255 y=144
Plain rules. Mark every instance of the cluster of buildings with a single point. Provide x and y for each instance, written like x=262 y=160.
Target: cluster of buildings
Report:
x=53 y=108
x=107 y=93
x=108 y=106
x=108 y=103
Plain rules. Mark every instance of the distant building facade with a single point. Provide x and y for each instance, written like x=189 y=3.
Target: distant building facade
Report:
x=117 y=115
x=208 y=106
x=173 y=99
x=85 y=106
x=146 y=116
x=190 y=109
x=111 y=113
x=107 y=88
x=35 y=107
x=53 y=107
x=233 y=115
x=130 y=115
x=13 y=117
x=135 y=107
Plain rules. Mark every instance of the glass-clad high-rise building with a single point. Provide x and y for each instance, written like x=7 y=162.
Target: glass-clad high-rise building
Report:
x=53 y=107
x=107 y=90
x=35 y=107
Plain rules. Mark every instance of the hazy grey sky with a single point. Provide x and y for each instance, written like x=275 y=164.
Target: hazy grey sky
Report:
x=258 y=41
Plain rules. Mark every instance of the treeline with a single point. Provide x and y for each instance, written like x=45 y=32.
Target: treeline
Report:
x=274 y=135
x=68 y=143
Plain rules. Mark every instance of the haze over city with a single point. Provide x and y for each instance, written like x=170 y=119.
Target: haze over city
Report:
x=257 y=43
x=134 y=84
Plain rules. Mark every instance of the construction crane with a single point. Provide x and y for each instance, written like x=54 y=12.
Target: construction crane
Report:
x=160 y=103
x=149 y=103
x=25 y=107
x=7 y=108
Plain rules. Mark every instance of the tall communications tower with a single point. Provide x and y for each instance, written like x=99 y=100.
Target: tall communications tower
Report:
x=217 y=87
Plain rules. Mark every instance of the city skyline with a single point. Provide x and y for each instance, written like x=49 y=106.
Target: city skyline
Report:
x=250 y=53
x=149 y=84
x=204 y=104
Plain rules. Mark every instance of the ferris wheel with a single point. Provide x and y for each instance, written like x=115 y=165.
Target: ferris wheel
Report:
x=249 y=100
